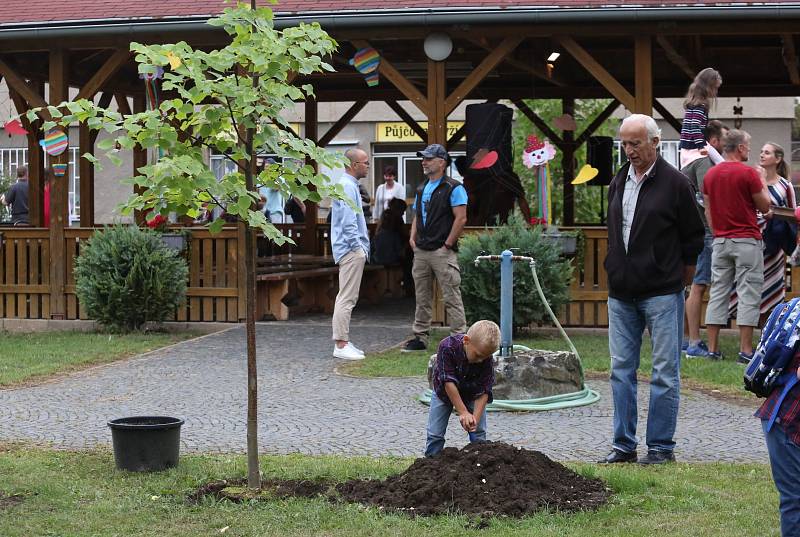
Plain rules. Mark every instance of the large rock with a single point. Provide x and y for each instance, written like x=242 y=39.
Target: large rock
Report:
x=532 y=374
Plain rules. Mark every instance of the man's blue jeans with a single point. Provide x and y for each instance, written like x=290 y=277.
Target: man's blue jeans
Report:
x=784 y=458
x=438 y=416
x=663 y=318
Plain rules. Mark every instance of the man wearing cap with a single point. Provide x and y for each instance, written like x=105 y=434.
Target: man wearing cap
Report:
x=440 y=213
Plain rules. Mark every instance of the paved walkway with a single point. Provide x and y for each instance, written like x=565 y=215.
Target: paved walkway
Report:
x=306 y=407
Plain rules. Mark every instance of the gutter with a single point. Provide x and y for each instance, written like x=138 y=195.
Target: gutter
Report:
x=341 y=20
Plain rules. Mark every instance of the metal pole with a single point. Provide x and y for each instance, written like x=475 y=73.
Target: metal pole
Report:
x=506 y=302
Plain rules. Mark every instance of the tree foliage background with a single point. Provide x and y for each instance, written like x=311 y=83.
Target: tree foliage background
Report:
x=587 y=197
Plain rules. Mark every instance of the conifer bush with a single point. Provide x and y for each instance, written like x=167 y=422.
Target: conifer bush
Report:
x=480 y=285
x=126 y=277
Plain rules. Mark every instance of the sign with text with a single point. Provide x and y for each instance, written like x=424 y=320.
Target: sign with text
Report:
x=398 y=131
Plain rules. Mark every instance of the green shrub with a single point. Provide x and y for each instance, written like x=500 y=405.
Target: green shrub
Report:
x=126 y=276
x=480 y=285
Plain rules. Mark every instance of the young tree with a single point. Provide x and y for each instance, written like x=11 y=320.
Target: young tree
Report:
x=230 y=101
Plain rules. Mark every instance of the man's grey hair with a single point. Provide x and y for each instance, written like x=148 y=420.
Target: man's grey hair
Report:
x=649 y=123
x=732 y=139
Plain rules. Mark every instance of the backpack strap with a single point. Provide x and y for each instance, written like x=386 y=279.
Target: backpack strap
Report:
x=790 y=380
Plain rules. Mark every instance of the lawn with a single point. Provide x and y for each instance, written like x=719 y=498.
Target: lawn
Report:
x=30 y=357
x=725 y=375
x=80 y=494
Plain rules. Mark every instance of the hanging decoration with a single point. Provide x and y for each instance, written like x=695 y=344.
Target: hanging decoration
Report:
x=13 y=126
x=152 y=98
x=483 y=159
x=59 y=169
x=55 y=142
x=738 y=109
x=537 y=155
x=587 y=173
x=366 y=61
x=174 y=61
x=565 y=122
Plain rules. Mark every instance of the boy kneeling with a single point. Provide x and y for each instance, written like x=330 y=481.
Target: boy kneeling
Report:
x=462 y=379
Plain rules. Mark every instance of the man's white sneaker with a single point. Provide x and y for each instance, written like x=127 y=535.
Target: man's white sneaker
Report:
x=348 y=352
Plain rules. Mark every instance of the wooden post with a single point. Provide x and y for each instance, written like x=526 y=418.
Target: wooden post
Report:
x=139 y=153
x=86 y=174
x=312 y=133
x=437 y=116
x=568 y=166
x=59 y=210
x=644 y=75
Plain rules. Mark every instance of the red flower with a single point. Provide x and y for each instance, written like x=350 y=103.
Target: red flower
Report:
x=157 y=223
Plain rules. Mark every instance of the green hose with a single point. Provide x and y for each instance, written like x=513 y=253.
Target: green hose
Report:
x=585 y=396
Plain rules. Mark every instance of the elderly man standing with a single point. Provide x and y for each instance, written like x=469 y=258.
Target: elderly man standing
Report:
x=654 y=236
x=732 y=192
x=350 y=245
x=440 y=213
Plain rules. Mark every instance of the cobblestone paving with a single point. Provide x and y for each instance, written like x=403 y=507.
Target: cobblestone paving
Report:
x=306 y=407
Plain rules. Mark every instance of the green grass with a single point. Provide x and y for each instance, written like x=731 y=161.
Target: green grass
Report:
x=725 y=375
x=26 y=357
x=80 y=494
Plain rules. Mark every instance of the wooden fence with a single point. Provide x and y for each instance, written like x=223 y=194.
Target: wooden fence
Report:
x=216 y=279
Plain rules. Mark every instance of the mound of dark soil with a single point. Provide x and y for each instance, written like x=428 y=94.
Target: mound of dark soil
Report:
x=483 y=479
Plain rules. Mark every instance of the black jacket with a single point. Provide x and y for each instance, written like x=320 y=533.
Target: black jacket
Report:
x=666 y=235
x=439 y=216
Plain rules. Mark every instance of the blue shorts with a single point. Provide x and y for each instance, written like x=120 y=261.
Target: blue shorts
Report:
x=702 y=272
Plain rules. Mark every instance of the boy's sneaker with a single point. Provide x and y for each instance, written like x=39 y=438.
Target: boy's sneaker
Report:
x=684 y=345
x=714 y=355
x=414 y=345
x=744 y=358
x=697 y=351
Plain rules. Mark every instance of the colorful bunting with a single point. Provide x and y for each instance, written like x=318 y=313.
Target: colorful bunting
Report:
x=537 y=154
x=59 y=169
x=366 y=62
x=13 y=126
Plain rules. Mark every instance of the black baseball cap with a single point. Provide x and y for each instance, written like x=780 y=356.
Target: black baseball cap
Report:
x=434 y=151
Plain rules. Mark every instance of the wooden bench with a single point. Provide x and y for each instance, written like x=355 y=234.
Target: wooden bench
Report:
x=283 y=291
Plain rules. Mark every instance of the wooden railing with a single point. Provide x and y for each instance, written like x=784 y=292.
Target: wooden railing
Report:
x=215 y=288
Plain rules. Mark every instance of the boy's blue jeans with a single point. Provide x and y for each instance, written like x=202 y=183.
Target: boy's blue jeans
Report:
x=784 y=458
x=438 y=416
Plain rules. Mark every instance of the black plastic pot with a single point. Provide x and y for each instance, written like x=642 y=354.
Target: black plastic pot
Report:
x=146 y=443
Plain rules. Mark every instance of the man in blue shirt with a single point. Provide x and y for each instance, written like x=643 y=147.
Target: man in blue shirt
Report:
x=350 y=245
x=440 y=213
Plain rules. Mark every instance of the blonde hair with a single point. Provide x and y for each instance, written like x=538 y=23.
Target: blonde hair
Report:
x=485 y=334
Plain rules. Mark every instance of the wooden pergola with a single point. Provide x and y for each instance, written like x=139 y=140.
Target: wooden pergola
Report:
x=635 y=56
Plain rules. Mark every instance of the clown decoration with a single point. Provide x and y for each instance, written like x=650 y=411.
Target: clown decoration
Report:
x=537 y=154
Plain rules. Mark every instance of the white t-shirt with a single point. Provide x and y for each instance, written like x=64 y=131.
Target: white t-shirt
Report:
x=383 y=196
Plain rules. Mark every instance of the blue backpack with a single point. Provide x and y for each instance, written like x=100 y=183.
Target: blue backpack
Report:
x=777 y=347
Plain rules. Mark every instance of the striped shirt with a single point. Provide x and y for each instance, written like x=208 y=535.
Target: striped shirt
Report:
x=694 y=123
x=629 y=198
x=789 y=412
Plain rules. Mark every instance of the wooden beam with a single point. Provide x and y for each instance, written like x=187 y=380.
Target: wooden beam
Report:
x=643 y=63
x=616 y=89
x=790 y=58
x=343 y=121
x=119 y=58
x=312 y=133
x=669 y=118
x=568 y=167
x=479 y=73
x=410 y=121
x=437 y=108
x=395 y=77
x=122 y=104
x=18 y=84
x=104 y=102
x=86 y=174
x=139 y=153
x=522 y=66
x=675 y=57
x=59 y=192
x=539 y=122
x=595 y=124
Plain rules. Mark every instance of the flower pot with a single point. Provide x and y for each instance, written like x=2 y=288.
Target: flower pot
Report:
x=146 y=443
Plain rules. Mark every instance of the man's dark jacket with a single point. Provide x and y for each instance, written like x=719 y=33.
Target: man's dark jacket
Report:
x=666 y=235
